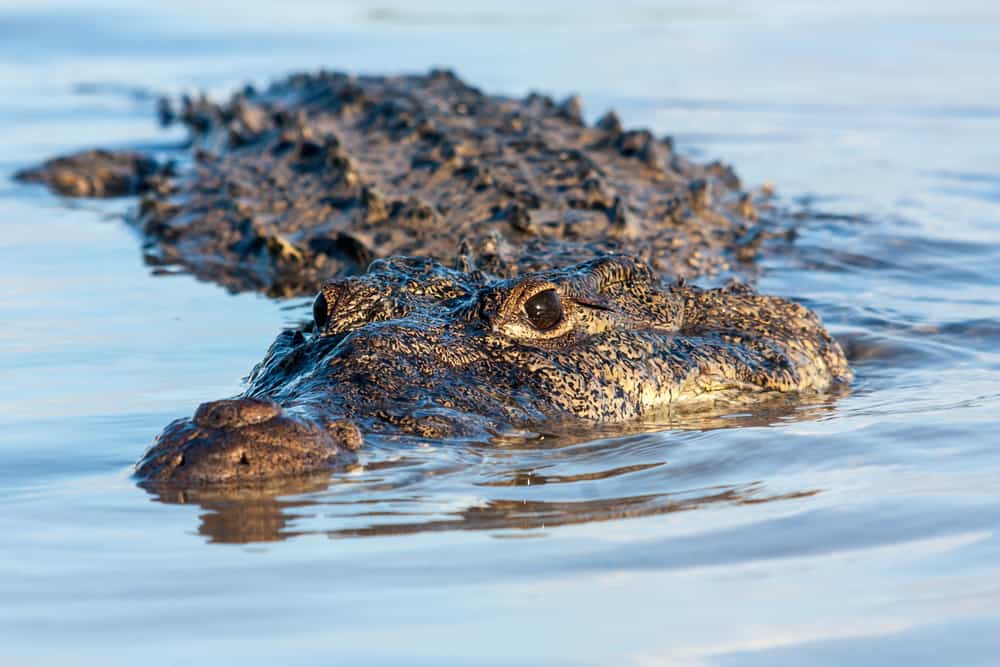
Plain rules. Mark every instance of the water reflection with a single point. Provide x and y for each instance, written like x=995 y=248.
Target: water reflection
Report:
x=259 y=513
x=269 y=515
x=521 y=482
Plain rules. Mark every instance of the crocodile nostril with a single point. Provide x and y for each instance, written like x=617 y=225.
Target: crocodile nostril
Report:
x=216 y=415
x=234 y=413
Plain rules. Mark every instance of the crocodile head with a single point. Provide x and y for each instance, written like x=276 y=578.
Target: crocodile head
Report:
x=413 y=347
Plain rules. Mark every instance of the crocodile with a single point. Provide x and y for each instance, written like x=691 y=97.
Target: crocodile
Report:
x=413 y=348
x=483 y=264
x=319 y=174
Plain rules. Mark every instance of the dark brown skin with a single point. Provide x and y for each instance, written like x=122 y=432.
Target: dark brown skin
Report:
x=321 y=173
x=96 y=174
x=414 y=348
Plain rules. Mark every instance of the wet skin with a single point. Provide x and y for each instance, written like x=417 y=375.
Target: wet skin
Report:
x=319 y=176
x=416 y=348
x=312 y=178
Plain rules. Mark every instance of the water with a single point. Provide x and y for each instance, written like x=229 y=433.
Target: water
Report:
x=862 y=530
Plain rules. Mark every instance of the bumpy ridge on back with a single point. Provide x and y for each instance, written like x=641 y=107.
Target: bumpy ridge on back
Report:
x=320 y=173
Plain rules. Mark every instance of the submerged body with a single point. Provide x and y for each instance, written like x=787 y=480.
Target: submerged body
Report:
x=314 y=177
x=415 y=348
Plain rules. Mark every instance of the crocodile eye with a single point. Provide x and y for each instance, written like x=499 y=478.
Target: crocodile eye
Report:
x=320 y=312
x=544 y=310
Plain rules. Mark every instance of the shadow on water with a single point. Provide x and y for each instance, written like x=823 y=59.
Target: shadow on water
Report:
x=516 y=485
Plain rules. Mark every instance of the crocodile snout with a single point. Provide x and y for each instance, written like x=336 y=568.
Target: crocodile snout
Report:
x=246 y=439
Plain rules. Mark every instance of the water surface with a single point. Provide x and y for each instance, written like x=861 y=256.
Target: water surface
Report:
x=857 y=530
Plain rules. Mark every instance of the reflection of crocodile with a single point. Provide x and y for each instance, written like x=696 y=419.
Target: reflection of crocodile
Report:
x=319 y=174
x=415 y=348
x=268 y=512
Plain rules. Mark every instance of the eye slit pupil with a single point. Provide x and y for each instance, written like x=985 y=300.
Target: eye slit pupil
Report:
x=320 y=312
x=544 y=310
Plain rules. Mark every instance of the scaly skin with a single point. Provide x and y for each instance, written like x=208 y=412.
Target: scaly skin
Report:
x=324 y=176
x=315 y=176
x=415 y=348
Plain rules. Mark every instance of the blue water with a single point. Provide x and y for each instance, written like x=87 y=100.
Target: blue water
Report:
x=861 y=531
